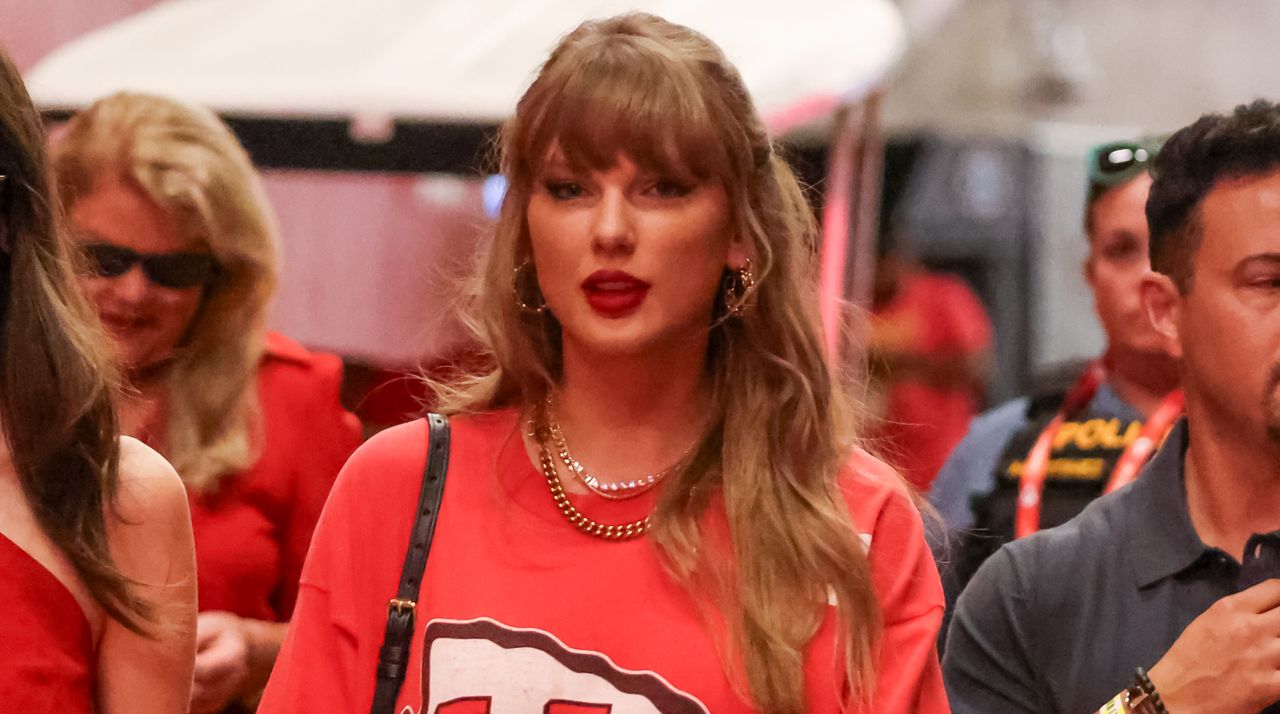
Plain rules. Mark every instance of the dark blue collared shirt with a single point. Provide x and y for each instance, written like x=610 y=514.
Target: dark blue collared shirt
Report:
x=1057 y=622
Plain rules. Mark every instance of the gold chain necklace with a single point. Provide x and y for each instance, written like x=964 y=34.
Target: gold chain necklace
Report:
x=607 y=531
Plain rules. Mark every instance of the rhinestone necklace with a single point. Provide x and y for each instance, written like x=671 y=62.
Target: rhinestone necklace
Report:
x=614 y=491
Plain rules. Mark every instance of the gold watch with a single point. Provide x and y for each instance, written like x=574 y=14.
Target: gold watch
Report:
x=1133 y=700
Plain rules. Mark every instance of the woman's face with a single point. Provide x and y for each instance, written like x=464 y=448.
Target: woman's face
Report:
x=146 y=321
x=629 y=260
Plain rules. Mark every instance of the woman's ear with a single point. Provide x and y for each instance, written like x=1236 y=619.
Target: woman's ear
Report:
x=1162 y=301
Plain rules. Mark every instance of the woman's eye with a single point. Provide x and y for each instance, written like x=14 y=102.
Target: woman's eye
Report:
x=666 y=188
x=564 y=190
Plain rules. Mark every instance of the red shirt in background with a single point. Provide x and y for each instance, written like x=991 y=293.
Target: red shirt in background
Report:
x=521 y=612
x=934 y=316
x=252 y=534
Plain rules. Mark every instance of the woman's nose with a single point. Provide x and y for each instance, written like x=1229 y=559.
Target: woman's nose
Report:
x=612 y=228
x=131 y=286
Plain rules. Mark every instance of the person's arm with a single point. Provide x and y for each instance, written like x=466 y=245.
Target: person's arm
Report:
x=1227 y=660
x=910 y=681
x=987 y=664
x=149 y=533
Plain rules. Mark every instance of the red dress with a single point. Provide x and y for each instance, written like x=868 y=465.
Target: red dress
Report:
x=47 y=656
x=252 y=534
x=521 y=612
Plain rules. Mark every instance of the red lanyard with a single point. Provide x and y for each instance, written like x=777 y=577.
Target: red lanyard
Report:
x=1036 y=467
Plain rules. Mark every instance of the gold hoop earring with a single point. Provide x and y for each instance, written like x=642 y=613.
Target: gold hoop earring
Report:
x=738 y=285
x=521 y=285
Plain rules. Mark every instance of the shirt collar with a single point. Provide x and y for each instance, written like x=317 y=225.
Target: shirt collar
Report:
x=1158 y=521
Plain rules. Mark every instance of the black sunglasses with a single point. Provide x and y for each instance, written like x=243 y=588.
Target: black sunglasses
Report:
x=168 y=270
x=1115 y=163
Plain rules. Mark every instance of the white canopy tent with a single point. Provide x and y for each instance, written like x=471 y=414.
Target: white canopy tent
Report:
x=447 y=61
x=417 y=86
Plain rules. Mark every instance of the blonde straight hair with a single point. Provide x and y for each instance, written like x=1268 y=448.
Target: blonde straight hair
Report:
x=666 y=97
x=190 y=164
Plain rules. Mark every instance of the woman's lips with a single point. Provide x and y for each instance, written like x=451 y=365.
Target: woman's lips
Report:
x=120 y=323
x=614 y=293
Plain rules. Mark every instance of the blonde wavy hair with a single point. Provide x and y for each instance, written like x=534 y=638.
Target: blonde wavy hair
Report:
x=190 y=164
x=665 y=96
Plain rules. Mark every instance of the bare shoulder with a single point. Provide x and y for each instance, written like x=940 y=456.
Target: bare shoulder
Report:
x=149 y=493
x=149 y=530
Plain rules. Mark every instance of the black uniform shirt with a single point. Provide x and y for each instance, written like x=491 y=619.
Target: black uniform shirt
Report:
x=1057 y=621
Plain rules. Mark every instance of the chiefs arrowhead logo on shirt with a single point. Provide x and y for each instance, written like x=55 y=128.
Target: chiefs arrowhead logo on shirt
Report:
x=484 y=667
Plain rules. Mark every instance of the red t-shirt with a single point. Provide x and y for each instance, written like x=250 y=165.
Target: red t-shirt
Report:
x=937 y=316
x=252 y=534
x=521 y=612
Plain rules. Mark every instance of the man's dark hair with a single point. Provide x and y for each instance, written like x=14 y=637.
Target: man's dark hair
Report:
x=1194 y=160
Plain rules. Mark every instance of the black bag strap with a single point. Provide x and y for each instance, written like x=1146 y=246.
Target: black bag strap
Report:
x=393 y=658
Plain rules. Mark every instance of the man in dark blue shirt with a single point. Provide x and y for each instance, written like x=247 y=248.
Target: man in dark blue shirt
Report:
x=1177 y=572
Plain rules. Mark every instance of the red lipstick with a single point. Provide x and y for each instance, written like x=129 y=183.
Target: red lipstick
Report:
x=614 y=293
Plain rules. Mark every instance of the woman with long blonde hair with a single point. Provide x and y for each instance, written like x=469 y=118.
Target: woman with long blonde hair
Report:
x=98 y=576
x=181 y=262
x=654 y=499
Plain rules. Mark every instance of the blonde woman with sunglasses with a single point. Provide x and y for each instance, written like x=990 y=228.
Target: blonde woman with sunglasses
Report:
x=181 y=259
